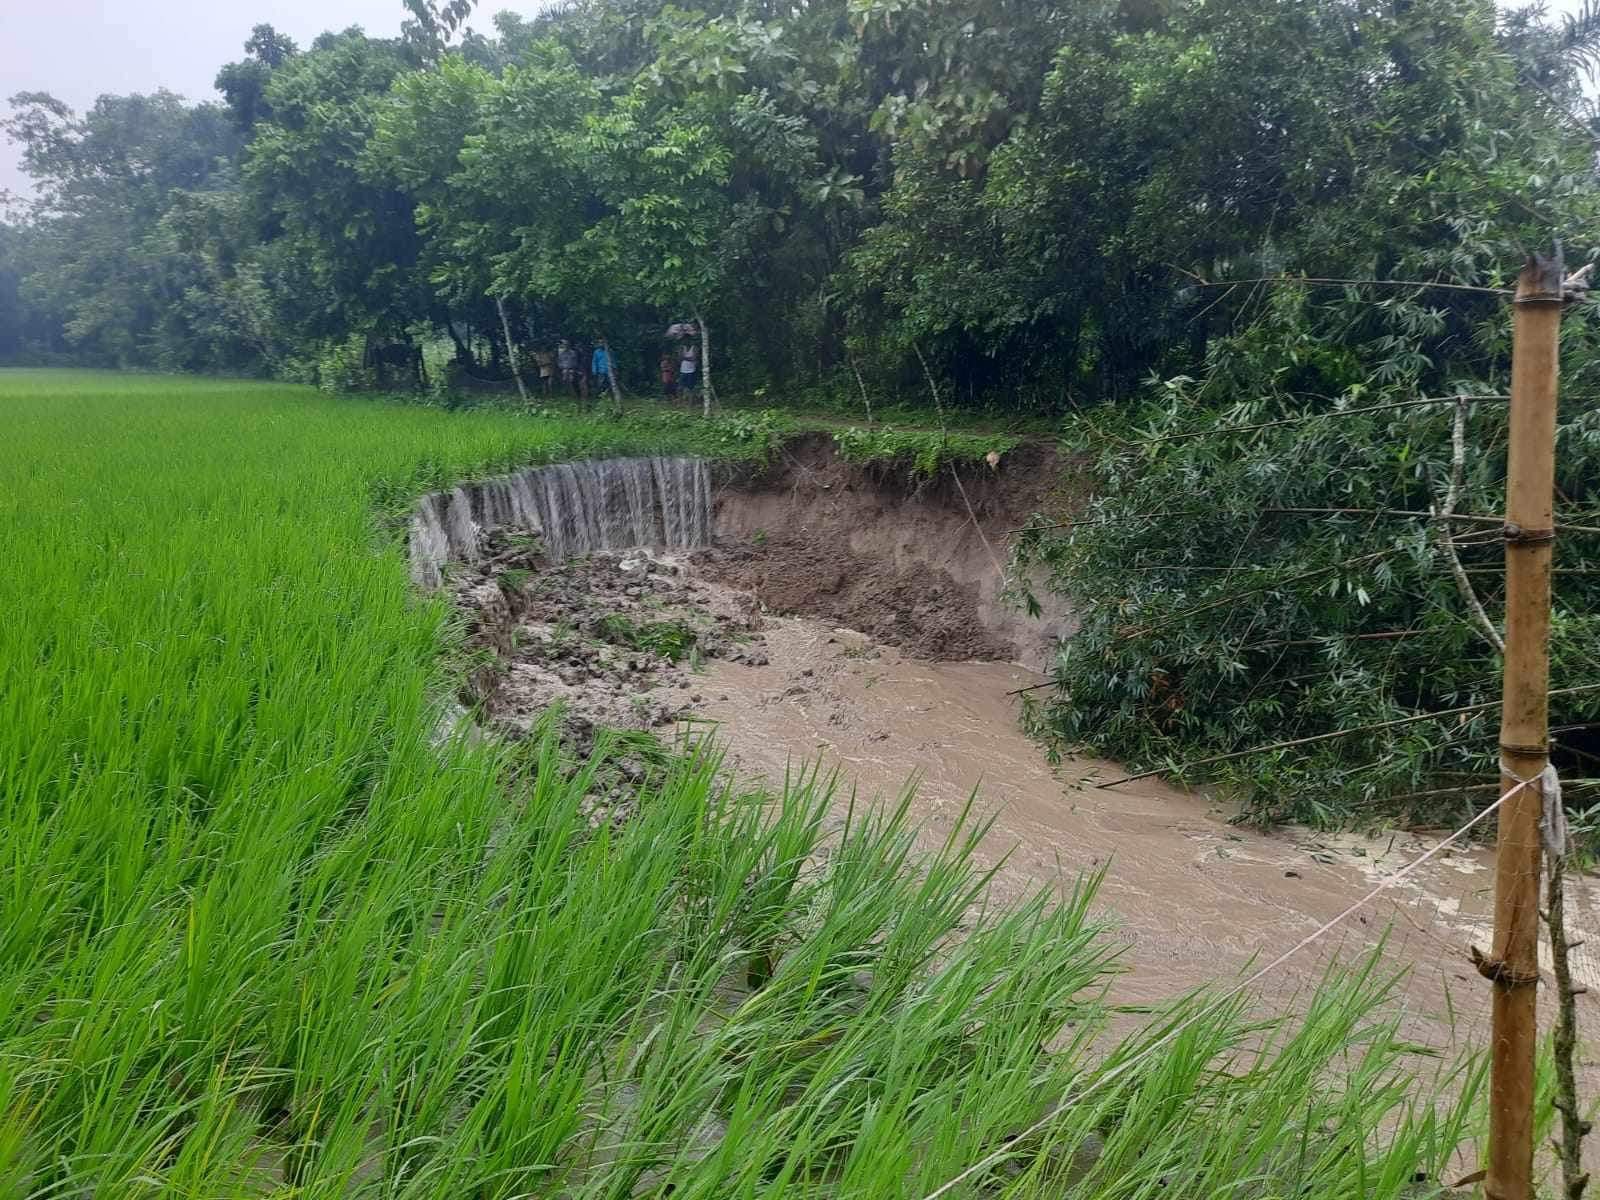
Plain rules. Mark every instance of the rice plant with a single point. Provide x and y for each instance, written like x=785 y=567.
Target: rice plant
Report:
x=265 y=931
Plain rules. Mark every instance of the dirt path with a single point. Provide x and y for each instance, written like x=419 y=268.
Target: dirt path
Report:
x=1198 y=900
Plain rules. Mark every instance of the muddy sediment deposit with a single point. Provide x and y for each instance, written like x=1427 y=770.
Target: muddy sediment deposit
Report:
x=849 y=616
x=617 y=640
x=916 y=564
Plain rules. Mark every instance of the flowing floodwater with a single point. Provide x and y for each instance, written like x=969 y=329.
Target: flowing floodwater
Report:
x=1198 y=901
x=578 y=508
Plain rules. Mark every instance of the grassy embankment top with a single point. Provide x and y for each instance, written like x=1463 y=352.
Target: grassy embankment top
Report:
x=258 y=936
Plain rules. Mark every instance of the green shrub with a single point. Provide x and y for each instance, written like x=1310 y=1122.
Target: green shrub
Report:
x=342 y=367
x=672 y=640
x=922 y=453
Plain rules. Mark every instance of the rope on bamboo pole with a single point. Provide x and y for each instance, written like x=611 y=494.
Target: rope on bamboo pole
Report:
x=1215 y=1005
x=1328 y=737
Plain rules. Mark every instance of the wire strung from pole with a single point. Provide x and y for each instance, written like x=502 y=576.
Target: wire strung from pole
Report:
x=1333 y=412
x=1201 y=281
x=1328 y=737
x=1234 y=597
x=1270 y=585
x=1482 y=519
x=1206 y=1011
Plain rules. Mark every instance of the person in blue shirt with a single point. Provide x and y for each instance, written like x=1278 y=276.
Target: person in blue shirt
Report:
x=600 y=367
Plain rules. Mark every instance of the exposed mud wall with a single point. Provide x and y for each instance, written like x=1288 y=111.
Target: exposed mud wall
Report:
x=909 y=563
x=917 y=564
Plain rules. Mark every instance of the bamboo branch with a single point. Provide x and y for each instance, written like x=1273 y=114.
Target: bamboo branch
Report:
x=1270 y=586
x=1458 y=464
x=1304 y=417
x=1565 y=1039
x=1328 y=737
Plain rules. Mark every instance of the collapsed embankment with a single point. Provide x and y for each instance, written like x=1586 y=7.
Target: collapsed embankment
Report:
x=698 y=631
x=917 y=563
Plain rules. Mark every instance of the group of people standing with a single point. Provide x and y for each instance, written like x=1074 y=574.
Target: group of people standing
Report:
x=564 y=359
x=680 y=369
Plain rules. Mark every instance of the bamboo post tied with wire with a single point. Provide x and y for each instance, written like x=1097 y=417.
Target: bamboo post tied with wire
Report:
x=1513 y=965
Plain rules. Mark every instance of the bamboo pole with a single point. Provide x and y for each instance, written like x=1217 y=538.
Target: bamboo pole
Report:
x=1524 y=725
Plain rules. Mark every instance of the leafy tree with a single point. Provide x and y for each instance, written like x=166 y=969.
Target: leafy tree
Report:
x=350 y=239
x=104 y=179
x=494 y=163
x=433 y=24
x=1241 y=589
x=243 y=84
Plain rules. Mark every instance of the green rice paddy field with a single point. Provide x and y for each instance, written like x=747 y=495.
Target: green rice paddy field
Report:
x=264 y=932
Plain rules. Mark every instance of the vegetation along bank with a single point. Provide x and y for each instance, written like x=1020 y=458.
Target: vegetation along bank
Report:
x=269 y=927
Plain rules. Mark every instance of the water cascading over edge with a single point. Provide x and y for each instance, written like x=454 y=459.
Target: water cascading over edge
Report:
x=577 y=507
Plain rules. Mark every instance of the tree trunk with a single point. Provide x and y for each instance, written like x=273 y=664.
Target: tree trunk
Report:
x=706 y=393
x=850 y=356
x=463 y=350
x=611 y=373
x=511 y=349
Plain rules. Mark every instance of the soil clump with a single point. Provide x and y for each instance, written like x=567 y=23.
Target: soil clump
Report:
x=608 y=643
x=921 y=609
x=917 y=562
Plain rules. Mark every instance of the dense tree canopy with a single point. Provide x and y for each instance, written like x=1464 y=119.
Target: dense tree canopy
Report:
x=1023 y=192
x=1085 y=207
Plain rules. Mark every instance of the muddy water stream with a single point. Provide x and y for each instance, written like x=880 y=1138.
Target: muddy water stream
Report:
x=1198 y=900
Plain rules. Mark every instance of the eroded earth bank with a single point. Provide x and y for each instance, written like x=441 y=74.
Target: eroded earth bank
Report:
x=815 y=612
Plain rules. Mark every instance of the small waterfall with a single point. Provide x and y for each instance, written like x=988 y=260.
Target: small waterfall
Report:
x=429 y=542
x=578 y=507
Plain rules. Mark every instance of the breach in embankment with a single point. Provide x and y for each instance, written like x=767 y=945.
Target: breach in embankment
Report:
x=815 y=610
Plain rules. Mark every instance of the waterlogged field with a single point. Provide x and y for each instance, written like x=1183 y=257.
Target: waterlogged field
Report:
x=262 y=932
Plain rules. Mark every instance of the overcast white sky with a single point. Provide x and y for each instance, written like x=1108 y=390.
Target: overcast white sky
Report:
x=79 y=49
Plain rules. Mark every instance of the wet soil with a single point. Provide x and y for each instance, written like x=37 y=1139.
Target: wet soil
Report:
x=922 y=609
x=614 y=640
x=606 y=645
x=1197 y=900
x=917 y=563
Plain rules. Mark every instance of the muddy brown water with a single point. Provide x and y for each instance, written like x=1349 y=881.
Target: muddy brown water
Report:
x=1197 y=901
